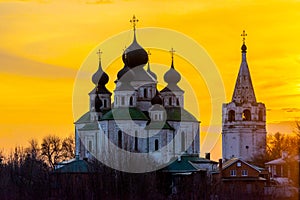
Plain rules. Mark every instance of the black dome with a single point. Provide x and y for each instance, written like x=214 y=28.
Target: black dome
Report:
x=100 y=77
x=156 y=99
x=135 y=55
x=125 y=74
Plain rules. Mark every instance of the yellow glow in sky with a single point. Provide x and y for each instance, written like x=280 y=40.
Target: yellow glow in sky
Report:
x=44 y=42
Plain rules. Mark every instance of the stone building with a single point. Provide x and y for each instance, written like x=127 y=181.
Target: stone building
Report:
x=243 y=119
x=140 y=118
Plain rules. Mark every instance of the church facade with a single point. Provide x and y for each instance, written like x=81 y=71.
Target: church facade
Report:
x=139 y=118
x=243 y=119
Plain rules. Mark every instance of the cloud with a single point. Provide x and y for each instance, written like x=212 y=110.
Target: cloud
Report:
x=15 y=65
x=291 y=109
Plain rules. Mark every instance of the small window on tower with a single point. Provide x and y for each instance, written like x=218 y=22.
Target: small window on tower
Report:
x=231 y=116
x=122 y=101
x=170 y=101
x=246 y=115
x=145 y=92
x=260 y=115
x=120 y=139
x=104 y=103
x=136 y=141
x=156 y=145
x=90 y=146
x=131 y=101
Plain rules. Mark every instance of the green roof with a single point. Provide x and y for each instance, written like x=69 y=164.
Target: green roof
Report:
x=183 y=165
x=84 y=118
x=124 y=114
x=75 y=166
x=90 y=126
x=158 y=125
x=179 y=114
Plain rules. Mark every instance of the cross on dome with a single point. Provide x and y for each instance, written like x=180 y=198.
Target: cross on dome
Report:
x=99 y=52
x=134 y=21
x=172 y=51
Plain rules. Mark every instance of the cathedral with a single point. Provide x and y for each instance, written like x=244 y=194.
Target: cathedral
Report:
x=243 y=119
x=139 y=118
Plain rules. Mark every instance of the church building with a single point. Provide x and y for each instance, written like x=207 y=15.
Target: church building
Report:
x=243 y=119
x=139 y=118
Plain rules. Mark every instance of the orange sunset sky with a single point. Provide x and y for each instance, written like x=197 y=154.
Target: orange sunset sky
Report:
x=44 y=42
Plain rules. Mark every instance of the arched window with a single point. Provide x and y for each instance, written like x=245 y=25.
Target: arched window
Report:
x=120 y=139
x=177 y=102
x=98 y=104
x=145 y=92
x=136 y=140
x=122 y=101
x=90 y=146
x=170 y=101
x=260 y=115
x=131 y=101
x=104 y=103
x=156 y=145
x=246 y=115
x=182 y=142
x=231 y=115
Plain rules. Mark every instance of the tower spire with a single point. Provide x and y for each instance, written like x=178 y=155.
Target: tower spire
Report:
x=244 y=91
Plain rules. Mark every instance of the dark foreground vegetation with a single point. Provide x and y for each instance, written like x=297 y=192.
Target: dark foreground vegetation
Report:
x=28 y=173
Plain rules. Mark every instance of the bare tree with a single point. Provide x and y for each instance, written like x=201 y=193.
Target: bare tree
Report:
x=51 y=150
x=68 y=148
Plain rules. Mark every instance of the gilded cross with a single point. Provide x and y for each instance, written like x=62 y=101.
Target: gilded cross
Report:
x=134 y=21
x=99 y=52
x=244 y=34
x=172 y=51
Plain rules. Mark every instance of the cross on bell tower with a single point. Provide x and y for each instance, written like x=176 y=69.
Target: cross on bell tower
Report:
x=244 y=34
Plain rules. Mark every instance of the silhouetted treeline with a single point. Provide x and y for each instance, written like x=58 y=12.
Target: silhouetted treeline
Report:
x=28 y=173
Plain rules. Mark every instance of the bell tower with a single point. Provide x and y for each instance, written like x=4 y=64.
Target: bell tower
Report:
x=243 y=119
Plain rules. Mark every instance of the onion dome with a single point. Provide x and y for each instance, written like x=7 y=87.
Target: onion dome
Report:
x=100 y=77
x=125 y=74
x=134 y=55
x=150 y=72
x=172 y=76
x=156 y=99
